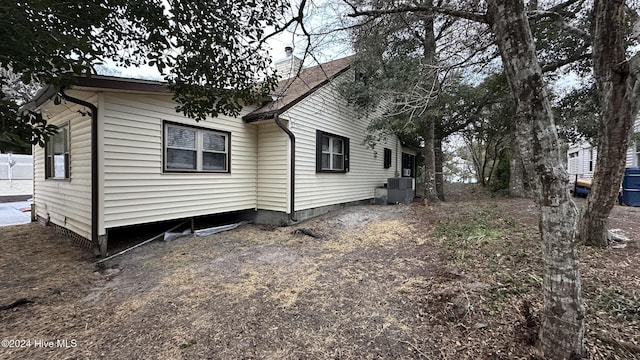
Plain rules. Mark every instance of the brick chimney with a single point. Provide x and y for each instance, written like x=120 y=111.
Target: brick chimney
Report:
x=289 y=66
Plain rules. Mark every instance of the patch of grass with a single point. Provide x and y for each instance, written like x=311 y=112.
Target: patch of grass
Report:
x=508 y=285
x=620 y=305
x=466 y=235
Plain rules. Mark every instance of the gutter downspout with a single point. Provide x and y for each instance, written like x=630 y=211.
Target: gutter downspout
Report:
x=292 y=165
x=94 y=166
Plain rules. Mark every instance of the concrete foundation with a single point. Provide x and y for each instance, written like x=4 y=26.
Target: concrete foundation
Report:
x=266 y=217
x=380 y=196
x=282 y=219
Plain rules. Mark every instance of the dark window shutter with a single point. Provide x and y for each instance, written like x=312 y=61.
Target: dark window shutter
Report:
x=66 y=167
x=387 y=158
x=318 y=151
x=346 y=155
x=47 y=160
x=47 y=165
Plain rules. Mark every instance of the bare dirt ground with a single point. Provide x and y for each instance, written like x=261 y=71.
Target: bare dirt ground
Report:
x=388 y=282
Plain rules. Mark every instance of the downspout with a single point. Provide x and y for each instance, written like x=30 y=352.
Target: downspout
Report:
x=94 y=164
x=292 y=165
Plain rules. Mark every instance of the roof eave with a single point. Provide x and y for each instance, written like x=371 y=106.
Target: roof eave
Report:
x=99 y=82
x=42 y=96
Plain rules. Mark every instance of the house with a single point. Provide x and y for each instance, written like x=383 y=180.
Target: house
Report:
x=123 y=156
x=581 y=161
x=581 y=157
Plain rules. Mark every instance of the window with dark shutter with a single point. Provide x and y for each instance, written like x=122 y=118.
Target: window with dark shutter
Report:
x=332 y=153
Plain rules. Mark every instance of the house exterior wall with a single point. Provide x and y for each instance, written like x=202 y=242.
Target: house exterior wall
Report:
x=273 y=168
x=581 y=160
x=136 y=190
x=327 y=111
x=67 y=203
x=586 y=153
x=633 y=153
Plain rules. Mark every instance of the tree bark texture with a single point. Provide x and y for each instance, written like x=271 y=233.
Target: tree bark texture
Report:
x=430 y=191
x=429 y=48
x=562 y=328
x=516 y=173
x=439 y=165
x=615 y=87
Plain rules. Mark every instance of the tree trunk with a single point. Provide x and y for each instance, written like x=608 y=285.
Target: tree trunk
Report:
x=430 y=193
x=439 y=164
x=615 y=86
x=429 y=46
x=516 y=173
x=562 y=328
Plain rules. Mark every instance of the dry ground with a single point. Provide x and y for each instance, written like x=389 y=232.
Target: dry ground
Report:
x=405 y=282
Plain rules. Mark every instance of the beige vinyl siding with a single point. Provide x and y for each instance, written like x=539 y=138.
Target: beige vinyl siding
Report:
x=67 y=203
x=135 y=188
x=326 y=110
x=273 y=160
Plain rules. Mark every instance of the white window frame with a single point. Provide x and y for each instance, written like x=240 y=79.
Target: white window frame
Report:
x=199 y=148
x=321 y=152
x=331 y=153
x=50 y=154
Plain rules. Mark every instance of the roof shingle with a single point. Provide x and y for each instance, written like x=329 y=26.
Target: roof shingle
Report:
x=291 y=91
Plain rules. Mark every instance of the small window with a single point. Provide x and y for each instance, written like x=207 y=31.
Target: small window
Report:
x=591 y=159
x=387 y=158
x=332 y=153
x=56 y=164
x=195 y=149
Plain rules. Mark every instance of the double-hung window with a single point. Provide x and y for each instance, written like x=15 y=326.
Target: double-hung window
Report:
x=332 y=153
x=57 y=155
x=195 y=149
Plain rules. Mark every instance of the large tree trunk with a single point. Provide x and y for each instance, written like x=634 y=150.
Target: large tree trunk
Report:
x=562 y=329
x=429 y=47
x=430 y=193
x=615 y=86
x=439 y=164
x=516 y=172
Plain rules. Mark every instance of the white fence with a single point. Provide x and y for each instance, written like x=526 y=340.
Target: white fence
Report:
x=16 y=167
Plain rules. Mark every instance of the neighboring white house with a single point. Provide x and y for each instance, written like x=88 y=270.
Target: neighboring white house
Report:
x=16 y=167
x=581 y=158
x=124 y=156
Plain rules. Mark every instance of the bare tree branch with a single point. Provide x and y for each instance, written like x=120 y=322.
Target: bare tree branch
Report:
x=560 y=63
x=477 y=17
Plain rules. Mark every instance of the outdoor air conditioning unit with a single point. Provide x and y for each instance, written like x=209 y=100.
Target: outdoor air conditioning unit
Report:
x=400 y=190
